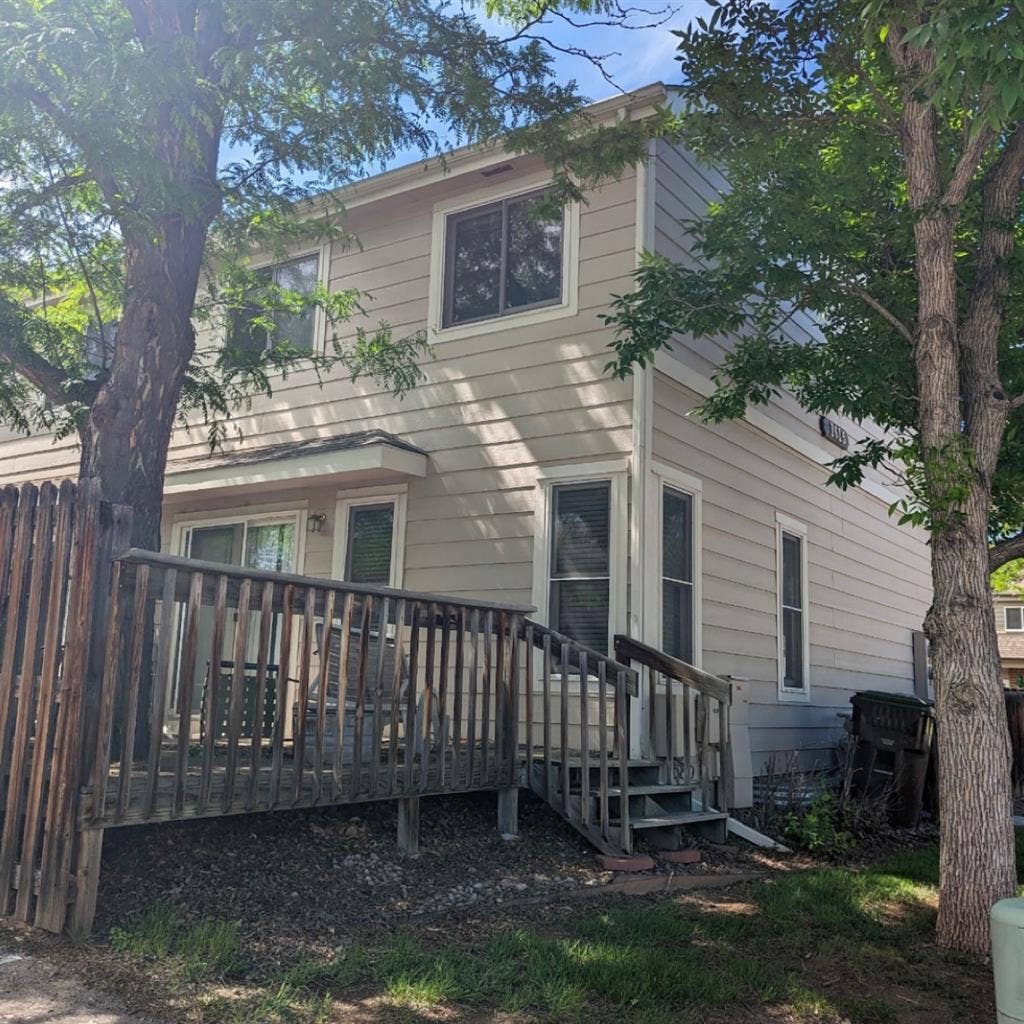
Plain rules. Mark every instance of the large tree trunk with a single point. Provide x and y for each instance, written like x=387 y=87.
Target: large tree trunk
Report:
x=976 y=847
x=128 y=430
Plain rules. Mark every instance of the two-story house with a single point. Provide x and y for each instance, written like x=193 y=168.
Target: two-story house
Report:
x=519 y=470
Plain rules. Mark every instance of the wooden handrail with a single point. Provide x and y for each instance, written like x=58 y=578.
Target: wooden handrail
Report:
x=628 y=649
x=576 y=649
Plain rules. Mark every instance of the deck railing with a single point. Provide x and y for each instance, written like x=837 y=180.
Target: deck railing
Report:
x=263 y=690
x=688 y=720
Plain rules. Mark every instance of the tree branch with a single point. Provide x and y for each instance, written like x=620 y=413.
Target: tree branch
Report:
x=17 y=353
x=54 y=189
x=1005 y=551
x=966 y=166
x=883 y=311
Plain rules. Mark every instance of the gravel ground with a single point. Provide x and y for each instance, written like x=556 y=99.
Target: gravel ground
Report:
x=311 y=881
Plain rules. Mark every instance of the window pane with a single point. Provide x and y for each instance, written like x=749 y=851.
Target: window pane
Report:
x=368 y=555
x=475 y=266
x=1014 y=618
x=677 y=538
x=792 y=572
x=677 y=620
x=579 y=609
x=217 y=543
x=296 y=276
x=533 y=271
x=581 y=530
x=270 y=547
x=793 y=648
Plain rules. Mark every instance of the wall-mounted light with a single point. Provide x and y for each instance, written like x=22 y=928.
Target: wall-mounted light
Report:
x=315 y=523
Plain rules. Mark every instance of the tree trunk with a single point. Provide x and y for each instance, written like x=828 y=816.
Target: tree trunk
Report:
x=128 y=429
x=976 y=848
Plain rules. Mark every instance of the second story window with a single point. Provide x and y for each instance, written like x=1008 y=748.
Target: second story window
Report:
x=501 y=259
x=297 y=329
x=1015 y=619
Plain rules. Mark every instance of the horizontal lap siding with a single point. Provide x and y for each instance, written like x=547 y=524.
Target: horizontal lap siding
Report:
x=493 y=408
x=869 y=583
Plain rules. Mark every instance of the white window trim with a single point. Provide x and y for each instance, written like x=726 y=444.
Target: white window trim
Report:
x=1006 y=619
x=615 y=472
x=569 y=305
x=323 y=277
x=786 y=524
x=662 y=476
x=349 y=499
x=298 y=513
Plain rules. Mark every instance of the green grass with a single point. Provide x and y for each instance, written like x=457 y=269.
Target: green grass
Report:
x=825 y=945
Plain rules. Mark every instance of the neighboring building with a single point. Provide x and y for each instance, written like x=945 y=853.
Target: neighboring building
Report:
x=520 y=470
x=1009 y=609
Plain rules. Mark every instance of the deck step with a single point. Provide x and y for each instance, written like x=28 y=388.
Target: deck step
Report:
x=655 y=789
x=594 y=762
x=682 y=818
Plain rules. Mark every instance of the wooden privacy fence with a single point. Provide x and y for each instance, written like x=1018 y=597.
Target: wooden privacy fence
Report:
x=56 y=545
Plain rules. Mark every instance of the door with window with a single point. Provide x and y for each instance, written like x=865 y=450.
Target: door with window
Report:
x=266 y=543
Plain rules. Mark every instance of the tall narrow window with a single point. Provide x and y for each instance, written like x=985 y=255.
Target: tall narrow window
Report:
x=580 y=576
x=369 y=544
x=677 y=574
x=249 y=332
x=500 y=259
x=793 y=668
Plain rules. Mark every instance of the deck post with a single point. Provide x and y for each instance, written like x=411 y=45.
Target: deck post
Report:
x=409 y=826
x=508 y=811
x=87 y=881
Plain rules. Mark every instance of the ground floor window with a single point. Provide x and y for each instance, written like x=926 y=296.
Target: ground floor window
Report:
x=369 y=529
x=677 y=573
x=792 y=585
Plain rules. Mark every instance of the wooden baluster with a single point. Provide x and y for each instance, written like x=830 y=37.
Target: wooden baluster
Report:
x=212 y=713
x=546 y=698
x=687 y=732
x=136 y=648
x=528 y=657
x=727 y=780
x=281 y=709
x=563 y=686
x=459 y=683
x=237 y=693
x=670 y=728
x=378 y=694
x=512 y=724
x=309 y=613
x=704 y=748
x=323 y=681
x=622 y=755
x=259 y=707
x=342 y=714
x=365 y=623
x=501 y=698
x=442 y=699
x=161 y=677
x=474 y=677
x=652 y=707
x=186 y=680
x=426 y=725
x=602 y=711
x=584 y=740
x=485 y=704
x=396 y=697
x=411 y=732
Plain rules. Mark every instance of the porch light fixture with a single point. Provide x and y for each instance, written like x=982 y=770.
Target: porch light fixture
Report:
x=315 y=523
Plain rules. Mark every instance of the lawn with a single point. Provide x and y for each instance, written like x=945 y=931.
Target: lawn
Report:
x=822 y=945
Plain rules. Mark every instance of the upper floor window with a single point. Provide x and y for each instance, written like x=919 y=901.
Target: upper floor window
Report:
x=500 y=259
x=1015 y=619
x=251 y=335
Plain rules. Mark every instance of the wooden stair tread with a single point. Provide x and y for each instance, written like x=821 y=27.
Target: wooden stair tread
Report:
x=654 y=788
x=677 y=818
x=594 y=762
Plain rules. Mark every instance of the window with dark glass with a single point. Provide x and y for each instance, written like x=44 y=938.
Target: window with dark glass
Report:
x=580 y=580
x=250 y=333
x=792 y=612
x=677 y=574
x=499 y=259
x=368 y=547
x=1015 y=619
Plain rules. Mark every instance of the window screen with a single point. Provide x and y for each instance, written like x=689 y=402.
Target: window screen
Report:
x=368 y=549
x=677 y=574
x=1015 y=618
x=792 y=612
x=580 y=560
x=500 y=259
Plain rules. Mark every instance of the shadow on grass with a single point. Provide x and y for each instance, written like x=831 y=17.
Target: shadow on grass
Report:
x=827 y=945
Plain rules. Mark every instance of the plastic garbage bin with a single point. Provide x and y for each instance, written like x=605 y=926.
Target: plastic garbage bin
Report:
x=1008 y=960
x=893 y=735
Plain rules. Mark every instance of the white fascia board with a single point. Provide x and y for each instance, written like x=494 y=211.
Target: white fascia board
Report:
x=381 y=456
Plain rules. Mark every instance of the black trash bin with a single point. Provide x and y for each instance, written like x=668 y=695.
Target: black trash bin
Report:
x=893 y=736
